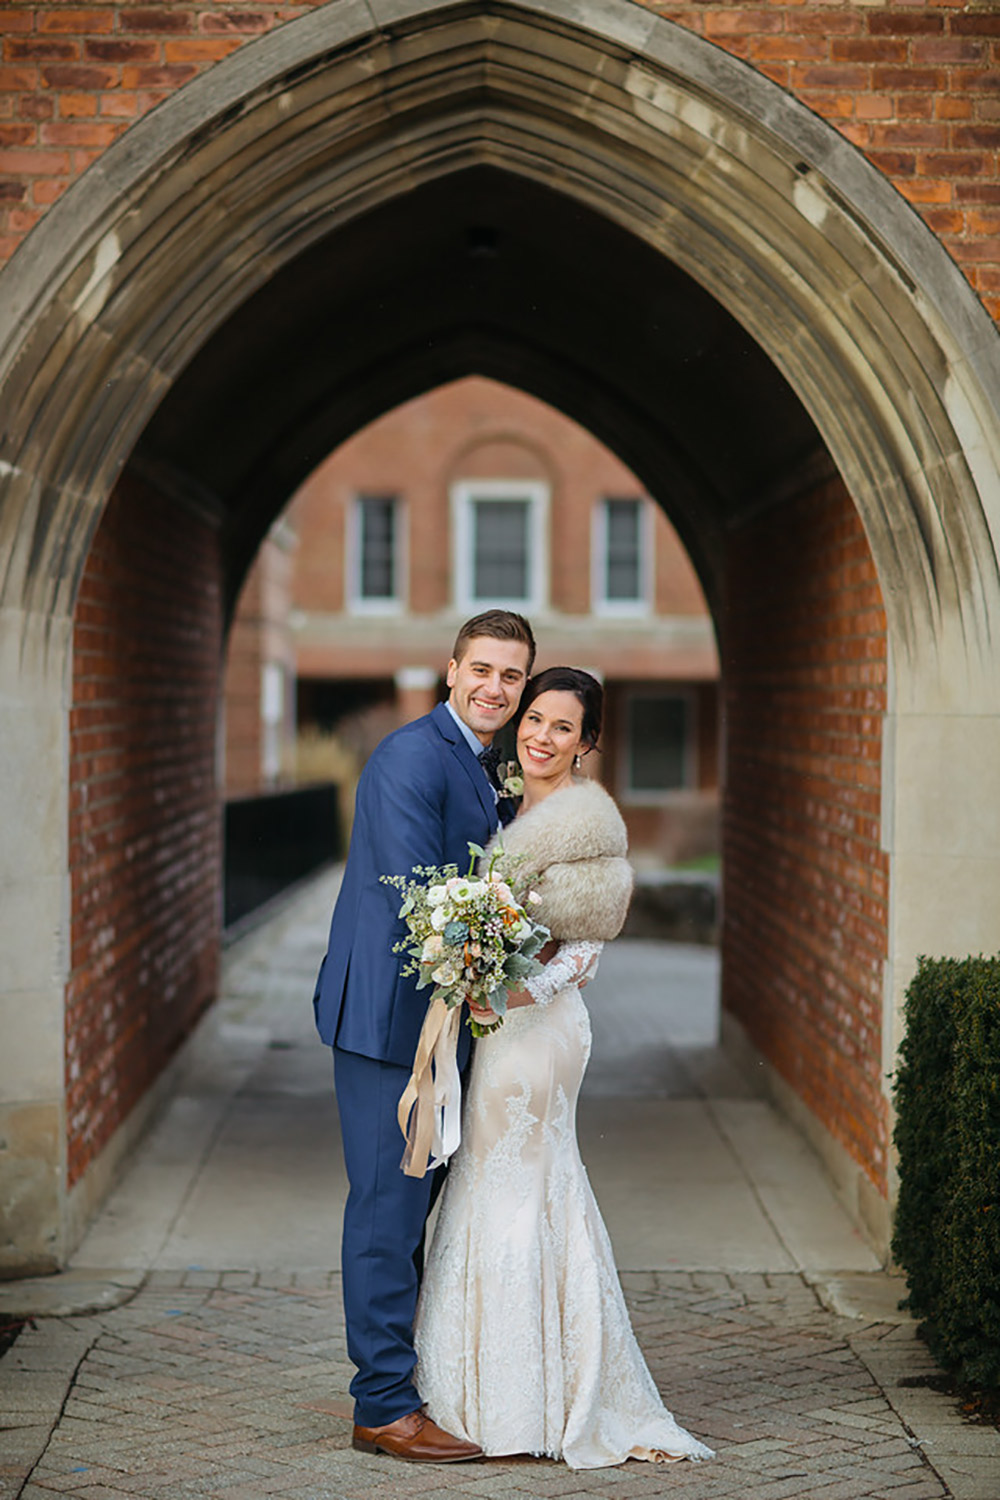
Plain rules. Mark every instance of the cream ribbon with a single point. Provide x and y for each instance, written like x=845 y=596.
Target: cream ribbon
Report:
x=430 y=1107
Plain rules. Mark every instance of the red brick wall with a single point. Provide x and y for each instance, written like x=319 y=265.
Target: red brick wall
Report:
x=806 y=882
x=244 y=659
x=915 y=85
x=144 y=815
x=259 y=634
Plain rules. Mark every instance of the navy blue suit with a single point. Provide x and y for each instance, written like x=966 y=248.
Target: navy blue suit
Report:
x=422 y=797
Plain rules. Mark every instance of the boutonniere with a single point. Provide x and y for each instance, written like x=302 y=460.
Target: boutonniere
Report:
x=511 y=779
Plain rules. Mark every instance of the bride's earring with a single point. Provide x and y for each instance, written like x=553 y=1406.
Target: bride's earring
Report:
x=577 y=763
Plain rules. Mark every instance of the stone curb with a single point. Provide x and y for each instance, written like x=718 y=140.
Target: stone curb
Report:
x=873 y=1296
x=69 y=1294
x=965 y=1455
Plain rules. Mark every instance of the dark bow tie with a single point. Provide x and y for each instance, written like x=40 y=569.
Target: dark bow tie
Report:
x=489 y=759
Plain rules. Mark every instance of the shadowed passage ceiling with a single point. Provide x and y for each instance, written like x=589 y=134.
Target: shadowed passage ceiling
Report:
x=482 y=272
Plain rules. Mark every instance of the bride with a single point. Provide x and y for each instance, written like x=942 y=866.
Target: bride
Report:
x=522 y=1335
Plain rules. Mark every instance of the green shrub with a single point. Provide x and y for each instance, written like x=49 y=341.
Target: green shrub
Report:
x=947 y=1231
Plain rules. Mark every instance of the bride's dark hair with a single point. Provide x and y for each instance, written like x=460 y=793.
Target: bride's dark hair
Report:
x=570 y=680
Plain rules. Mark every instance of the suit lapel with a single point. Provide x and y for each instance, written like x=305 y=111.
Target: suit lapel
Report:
x=459 y=748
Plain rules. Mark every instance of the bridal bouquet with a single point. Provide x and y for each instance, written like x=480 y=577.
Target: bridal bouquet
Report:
x=470 y=936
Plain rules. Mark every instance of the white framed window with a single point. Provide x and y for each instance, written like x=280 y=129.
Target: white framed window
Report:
x=622 y=556
x=658 y=754
x=375 y=555
x=501 y=543
x=272 y=718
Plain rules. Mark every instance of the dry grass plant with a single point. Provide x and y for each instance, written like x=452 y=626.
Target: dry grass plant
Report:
x=320 y=755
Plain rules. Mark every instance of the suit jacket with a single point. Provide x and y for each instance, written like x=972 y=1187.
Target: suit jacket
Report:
x=421 y=798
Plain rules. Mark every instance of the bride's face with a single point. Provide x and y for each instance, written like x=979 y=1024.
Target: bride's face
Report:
x=550 y=735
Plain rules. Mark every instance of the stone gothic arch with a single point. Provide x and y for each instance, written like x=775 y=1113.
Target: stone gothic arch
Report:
x=685 y=153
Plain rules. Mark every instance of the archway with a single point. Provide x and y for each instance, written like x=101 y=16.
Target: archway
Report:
x=344 y=624
x=481 y=151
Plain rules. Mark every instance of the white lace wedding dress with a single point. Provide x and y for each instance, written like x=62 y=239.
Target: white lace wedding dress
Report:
x=523 y=1339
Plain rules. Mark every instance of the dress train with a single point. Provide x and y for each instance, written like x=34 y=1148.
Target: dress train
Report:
x=523 y=1339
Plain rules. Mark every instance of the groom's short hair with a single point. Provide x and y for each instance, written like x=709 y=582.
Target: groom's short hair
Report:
x=501 y=625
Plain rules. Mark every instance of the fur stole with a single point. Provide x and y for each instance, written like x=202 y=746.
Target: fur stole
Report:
x=573 y=847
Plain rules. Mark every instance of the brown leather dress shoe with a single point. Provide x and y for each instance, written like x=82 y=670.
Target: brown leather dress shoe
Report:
x=417 y=1439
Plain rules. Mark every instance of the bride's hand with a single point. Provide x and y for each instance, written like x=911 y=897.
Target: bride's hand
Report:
x=482 y=1013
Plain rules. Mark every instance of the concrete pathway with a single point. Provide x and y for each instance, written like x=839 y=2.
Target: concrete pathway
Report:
x=221 y=1371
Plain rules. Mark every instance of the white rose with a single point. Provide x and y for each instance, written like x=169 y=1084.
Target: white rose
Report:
x=461 y=890
x=432 y=947
x=439 y=918
x=445 y=974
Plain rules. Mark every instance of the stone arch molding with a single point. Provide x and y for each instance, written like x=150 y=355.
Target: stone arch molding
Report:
x=781 y=219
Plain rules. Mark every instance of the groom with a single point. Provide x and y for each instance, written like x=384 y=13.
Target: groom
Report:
x=423 y=796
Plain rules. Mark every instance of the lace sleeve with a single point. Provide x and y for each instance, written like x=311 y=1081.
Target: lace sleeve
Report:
x=570 y=965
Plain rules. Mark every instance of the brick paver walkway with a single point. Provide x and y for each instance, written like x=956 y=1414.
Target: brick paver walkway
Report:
x=217 y=1385
x=233 y=1385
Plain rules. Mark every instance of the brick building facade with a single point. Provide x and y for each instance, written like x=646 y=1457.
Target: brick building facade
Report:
x=471 y=496
x=753 y=248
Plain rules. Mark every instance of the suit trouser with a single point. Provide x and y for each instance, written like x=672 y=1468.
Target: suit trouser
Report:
x=382 y=1251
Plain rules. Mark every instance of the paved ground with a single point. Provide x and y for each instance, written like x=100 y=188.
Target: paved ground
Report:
x=222 y=1373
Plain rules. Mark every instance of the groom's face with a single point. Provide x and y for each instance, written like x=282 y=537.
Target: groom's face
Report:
x=486 y=685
